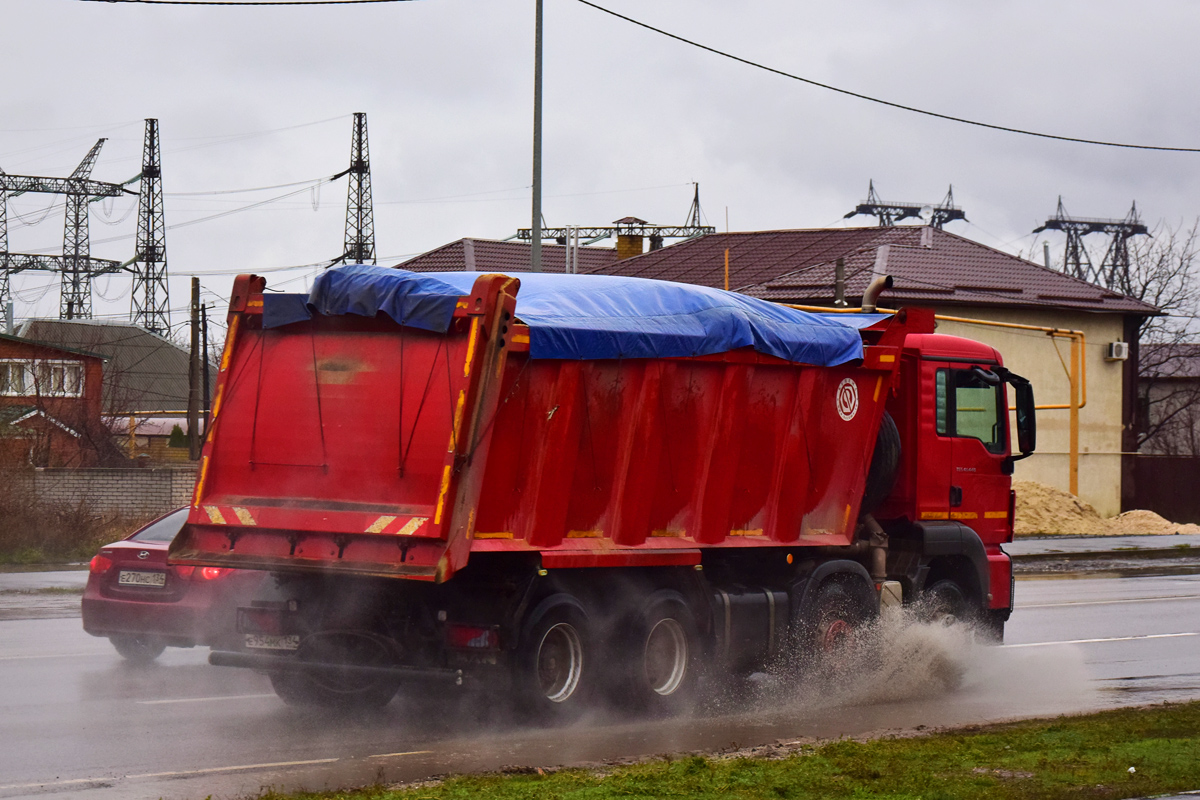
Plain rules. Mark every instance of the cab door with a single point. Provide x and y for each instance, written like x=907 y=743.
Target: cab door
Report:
x=976 y=419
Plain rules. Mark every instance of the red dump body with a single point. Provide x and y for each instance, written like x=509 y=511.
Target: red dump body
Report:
x=356 y=445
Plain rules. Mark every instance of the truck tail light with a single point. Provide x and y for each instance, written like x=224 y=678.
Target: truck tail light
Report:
x=260 y=620
x=100 y=564
x=472 y=637
x=211 y=573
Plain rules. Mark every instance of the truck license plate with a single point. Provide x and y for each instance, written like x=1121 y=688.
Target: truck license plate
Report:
x=264 y=641
x=127 y=578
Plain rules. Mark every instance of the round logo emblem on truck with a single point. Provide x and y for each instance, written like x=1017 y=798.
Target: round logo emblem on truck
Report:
x=847 y=399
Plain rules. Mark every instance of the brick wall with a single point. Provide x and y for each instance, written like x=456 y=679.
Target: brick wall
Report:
x=130 y=493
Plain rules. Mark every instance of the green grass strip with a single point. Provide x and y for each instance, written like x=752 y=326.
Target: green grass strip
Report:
x=1069 y=757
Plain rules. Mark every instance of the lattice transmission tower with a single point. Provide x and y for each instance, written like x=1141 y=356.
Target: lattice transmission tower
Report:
x=1113 y=272
x=889 y=214
x=150 y=306
x=360 y=214
x=76 y=264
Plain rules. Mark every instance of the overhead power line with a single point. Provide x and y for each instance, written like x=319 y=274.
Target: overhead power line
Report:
x=248 y=2
x=880 y=101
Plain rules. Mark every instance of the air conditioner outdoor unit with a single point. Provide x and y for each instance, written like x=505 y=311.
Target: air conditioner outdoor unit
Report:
x=1116 y=351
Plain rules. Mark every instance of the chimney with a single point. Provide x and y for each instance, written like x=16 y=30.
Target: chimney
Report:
x=629 y=245
x=9 y=326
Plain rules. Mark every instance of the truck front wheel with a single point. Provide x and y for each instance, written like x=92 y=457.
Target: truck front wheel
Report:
x=552 y=669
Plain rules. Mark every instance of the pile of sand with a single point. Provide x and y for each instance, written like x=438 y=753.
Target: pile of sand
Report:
x=1043 y=509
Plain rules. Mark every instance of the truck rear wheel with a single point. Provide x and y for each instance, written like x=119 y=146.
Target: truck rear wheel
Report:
x=552 y=665
x=659 y=651
x=334 y=688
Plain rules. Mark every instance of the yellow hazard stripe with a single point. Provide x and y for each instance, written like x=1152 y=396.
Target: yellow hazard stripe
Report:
x=244 y=516
x=495 y=535
x=585 y=534
x=995 y=515
x=963 y=515
x=378 y=525
x=747 y=532
x=214 y=515
x=437 y=515
x=411 y=526
x=471 y=346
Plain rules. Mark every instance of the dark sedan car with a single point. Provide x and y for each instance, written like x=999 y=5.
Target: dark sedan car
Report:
x=143 y=605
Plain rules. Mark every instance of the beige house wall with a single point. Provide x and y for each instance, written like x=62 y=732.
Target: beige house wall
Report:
x=1044 y=361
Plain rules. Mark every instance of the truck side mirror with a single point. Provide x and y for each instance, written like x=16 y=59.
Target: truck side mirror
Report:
x=1026 y=418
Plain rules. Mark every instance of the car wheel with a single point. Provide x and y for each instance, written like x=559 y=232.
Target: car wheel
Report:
x=552 y=670
x=139 y=648
x=659 y=651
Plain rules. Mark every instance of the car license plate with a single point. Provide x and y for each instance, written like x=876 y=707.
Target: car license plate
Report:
x=155 y=579
x=264 y=641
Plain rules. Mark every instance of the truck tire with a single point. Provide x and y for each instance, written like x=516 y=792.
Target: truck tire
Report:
x=884 y=461
x=333 y=690
x=841 y=608
x=659 y=651
x=138 y=648
x=552 y=669
x=945 y=602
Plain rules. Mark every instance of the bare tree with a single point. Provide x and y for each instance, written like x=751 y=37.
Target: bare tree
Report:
x=1162 y=272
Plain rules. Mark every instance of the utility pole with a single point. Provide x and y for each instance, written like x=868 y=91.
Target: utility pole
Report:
x=193 y=409
x=206 y=395
x=150 y=305
x=535 y=249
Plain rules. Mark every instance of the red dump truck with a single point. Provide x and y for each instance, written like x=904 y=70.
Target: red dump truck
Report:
x=568 y=488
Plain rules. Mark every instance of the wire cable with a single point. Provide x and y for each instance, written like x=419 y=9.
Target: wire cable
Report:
x=248 y=2
x=880 y=101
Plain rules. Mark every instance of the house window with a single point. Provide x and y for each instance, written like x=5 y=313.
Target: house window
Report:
x=28 y=378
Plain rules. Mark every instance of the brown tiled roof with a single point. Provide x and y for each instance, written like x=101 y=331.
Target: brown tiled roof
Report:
x=928 y=265
x=489 y=255
x=142 y=371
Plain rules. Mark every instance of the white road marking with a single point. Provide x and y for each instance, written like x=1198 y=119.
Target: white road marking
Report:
x=177 y=774
x=203 y=699
x=51 y=655
x=56 y=783
x=211 y=770
x=1113 y=602
x=408 y=753
x=1109 y=639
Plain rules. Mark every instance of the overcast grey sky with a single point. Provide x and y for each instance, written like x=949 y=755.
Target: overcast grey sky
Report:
x=250 y=97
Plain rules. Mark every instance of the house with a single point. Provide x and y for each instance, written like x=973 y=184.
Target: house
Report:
x=956 y=277
x=933 y=268
x=1167 y=467
x=491 y=255
x=49 y=405
x=146 y=376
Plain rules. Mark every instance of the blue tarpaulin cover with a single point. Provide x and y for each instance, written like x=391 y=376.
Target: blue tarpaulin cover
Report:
x=586 y=316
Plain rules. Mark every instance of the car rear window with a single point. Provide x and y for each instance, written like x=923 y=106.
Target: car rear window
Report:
x=162 y=530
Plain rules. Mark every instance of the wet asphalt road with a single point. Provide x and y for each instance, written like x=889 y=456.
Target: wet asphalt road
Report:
x=77 y=721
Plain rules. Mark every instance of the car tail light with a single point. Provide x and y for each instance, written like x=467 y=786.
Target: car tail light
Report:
x=260 y=620
x=472 y=637
x=211 y=573
x=100 y=564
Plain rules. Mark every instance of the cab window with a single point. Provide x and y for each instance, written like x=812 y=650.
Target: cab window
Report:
x=969 y=407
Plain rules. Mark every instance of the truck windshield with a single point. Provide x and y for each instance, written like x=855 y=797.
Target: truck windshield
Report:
x=970 y=408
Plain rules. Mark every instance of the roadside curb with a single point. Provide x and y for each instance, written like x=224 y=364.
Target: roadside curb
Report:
x=1110 y=555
